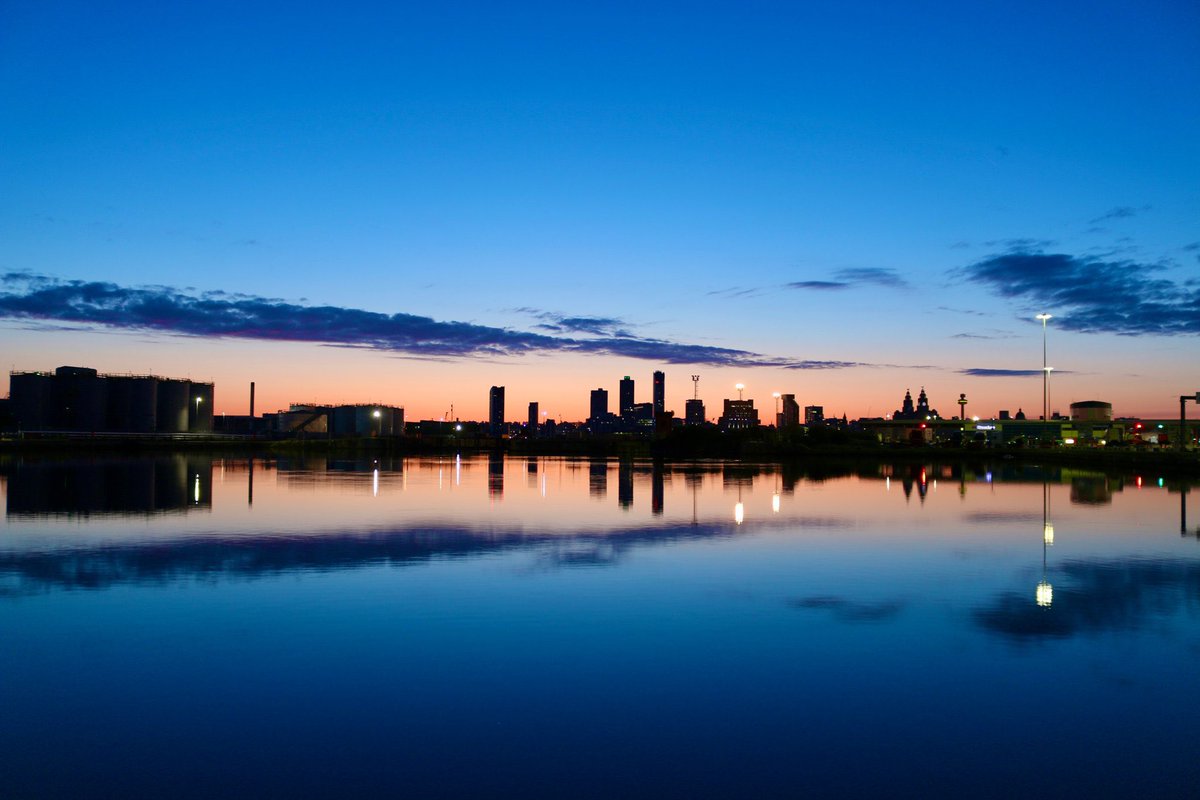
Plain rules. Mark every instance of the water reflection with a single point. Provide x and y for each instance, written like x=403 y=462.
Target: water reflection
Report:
x=130 y=487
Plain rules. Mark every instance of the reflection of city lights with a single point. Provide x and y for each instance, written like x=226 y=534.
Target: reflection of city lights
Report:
x=888 y=482
x=196 y=491
x=1045 y=594
x=1048 y=533
x=1139 y=481
x=375 y=482
x=775 y=503
x=739 y=513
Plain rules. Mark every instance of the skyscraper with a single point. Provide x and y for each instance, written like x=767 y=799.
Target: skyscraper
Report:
x=660 y=392
x=599 y=403
x=790 y=415
x=694 y=409
x=496 y=410
x=626 y=395
x=532 y=431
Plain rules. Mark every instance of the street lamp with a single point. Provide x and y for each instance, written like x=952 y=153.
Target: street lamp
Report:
x=739 y=387
x=1045 y=370
x=778 y=421
x=378 y=421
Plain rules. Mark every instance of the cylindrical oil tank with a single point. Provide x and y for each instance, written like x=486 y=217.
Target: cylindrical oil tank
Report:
x=172 y=406
x=30 y=396
x=342 y=421
x=143 y=413
x=120 y=404
x=82 y=402
x=200 y=408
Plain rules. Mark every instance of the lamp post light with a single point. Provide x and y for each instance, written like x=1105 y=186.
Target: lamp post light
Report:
x=378 y=415
x=739 y=387
x=1045 y=370
x=778 y=421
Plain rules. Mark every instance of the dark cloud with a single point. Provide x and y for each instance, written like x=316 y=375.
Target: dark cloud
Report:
x=560 y=323
x=847 y=610
x=167 y=310
x=983 y=372
x=1093 y=295
x=853 y=277
x=1120 y=212
x=818 y=285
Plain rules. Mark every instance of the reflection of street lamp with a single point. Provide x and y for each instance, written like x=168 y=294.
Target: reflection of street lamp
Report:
x=1045 y=369
x=1045 y=592
x=739 y=387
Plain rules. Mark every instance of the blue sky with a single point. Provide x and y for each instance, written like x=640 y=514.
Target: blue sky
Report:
x=673 y=169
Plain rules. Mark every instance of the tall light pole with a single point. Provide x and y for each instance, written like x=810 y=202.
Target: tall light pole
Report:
x=778 y=421
x=1045 y=370
x=739 y=387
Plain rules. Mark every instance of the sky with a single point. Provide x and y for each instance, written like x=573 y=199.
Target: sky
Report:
x=409 y=203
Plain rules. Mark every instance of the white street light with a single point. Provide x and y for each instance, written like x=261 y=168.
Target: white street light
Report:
x=1045 y=370
x=739 y=387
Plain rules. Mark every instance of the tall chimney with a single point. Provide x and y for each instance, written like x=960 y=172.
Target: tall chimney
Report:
x=251 y=400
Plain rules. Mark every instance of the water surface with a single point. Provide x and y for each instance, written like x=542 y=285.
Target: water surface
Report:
x=474 y=626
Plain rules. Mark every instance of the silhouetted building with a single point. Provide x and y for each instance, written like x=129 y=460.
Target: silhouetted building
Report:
x=921 y=410
x=599 y=405
x=814 y=415
x=496 y=410
x=533 y=420
x=626 y=395
x=1092 y=411
x=80 y=399
x=660 y=392
x=789 y=416
x=739 y=415
x=694 y=412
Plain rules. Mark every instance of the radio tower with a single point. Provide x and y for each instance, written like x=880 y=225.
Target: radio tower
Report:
x=695 y=387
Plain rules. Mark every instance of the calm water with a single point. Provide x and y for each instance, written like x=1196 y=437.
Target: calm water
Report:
x=545 y=627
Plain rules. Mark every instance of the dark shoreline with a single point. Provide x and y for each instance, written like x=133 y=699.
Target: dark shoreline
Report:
x=1166 y=462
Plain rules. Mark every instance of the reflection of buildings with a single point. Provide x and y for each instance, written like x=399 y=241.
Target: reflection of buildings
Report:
x=625 y=483
x=598 y=477
x=656 y=488
x=496 y=475
x=80 y=399
x=110 y=487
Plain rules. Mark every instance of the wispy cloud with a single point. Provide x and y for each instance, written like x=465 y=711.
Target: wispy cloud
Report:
x=1120 y=212
x=1093 y=294
x=852 y=277
x=216 y=314
x=821 y=286
x=561 y=323
x=985 y=372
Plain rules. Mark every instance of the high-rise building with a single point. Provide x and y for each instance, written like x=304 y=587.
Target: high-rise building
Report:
x=790 y=415
x=739 y=415
x=660 y=392
x=533 y=420
x=814 y=415
x=496 y=410
x=626 y=395
x=599 y=404
x=694 y=411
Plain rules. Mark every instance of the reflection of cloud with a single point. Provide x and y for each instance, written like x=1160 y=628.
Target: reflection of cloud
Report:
x=1095 y=597
x=1093 y=295
x=847 y=610
x=976 y=517
x=169 y=310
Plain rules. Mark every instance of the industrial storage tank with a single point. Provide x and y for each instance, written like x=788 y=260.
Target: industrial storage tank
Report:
x=200 y=408
x=132 y=403
x=82 y=399
x=30 y=399
x=1092 y=411
x=172 y=406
